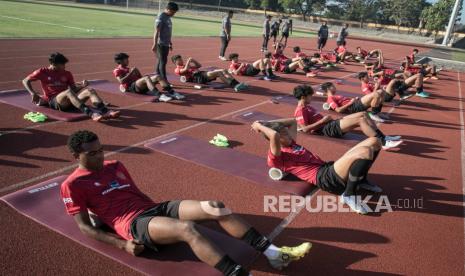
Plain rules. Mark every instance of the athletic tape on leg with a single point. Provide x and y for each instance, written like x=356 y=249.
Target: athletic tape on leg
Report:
x=207 y=207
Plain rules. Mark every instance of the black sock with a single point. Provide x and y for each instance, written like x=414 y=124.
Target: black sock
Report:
x=233 y=82
x=256 y=240
x=230 y=268
x=100 y=106
x=381 y=136
x=270 y=72
x=168 y=89
x=86 y=110
x=377 y=109
x=357 y=173
x=419 y=89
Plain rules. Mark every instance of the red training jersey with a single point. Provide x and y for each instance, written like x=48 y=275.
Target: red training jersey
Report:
x=300 y=55
x=279 y=59
x=109 y=193
x=337 y=101
x=235 y=65
x=121 y=72
x=189 y=72
x=306 y=115
x=367 y=88
x=298 y=161
x=53 y=82
x=341 y=49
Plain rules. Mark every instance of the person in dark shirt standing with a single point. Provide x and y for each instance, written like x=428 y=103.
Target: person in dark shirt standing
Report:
x=266 y=33
x=322 y=36
x=343 y=33
x=162 y=37
x=275 y=31
x=225 y=34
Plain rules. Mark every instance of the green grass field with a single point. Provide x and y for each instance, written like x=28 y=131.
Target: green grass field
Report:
x=458 y=56
x=61 y=20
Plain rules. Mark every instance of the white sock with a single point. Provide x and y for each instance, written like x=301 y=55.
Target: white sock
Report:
x=272 y=252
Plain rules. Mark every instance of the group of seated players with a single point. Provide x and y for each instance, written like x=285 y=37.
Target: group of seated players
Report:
x=144 y=224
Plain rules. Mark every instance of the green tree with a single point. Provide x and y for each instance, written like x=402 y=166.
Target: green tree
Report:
x=303 y=7
x=404 y=12
x=362 y=10
x=437 y=16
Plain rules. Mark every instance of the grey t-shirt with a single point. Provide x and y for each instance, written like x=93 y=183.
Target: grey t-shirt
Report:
x=266 y=27
x=341 y=37
x=163 y=22
x=286 y=27
x=226 y=24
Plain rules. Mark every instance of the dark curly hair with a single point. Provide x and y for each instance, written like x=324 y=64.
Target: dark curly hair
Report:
x=175 y=58
x=78 y=138
x=57 y=58
x=361 y=75
x=119 y=57
x=325 y=86
x=302 y=91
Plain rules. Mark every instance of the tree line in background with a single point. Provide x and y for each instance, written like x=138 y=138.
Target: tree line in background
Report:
x=402 y=13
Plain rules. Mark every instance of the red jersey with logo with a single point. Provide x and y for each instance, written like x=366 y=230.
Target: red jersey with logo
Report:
x=329 y=57
x=279 y=59
x=109 y=193
x=121 y=72
x=307 y=115
x=298 y=161
x=341 y=49
x=367 y=88
x=336 y=101
x=300 y=55
x=189 y=72
x=235 y=65
x=53 y=82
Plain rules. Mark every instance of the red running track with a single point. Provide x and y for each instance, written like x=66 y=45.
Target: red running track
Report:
x=428 y=241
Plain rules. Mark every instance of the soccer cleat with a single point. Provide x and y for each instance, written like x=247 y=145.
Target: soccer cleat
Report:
x=326 y=106
x=310 y=75
x=266 y=78
x=393 y=138
x=288 y=254
x=96 y=117
x=352 y=203
x=375 y=118
x=164 y=98
x=423 y=94
x=176 y=95
x=368 y=186
x=111 y=114
x=406 y=96
x=239 y=87
x=389 y=144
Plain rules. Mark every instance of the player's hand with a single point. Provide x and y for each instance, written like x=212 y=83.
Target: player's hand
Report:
x=171 y=47
x=154 y=48
x=256 y=126
x=36 y=99
x=134 y=247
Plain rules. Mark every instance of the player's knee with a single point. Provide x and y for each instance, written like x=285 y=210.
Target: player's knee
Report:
x=374 y=142
x=366 y=152
x=216 y=209
x=187 y=230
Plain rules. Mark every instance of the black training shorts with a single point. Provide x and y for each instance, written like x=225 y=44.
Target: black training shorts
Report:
x=357 y=106
x=331 y=129
x=251 y=71
x=200 y=77
x=140 y=224
x=328 y=180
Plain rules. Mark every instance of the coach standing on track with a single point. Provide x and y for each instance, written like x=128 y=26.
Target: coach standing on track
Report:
x=162 y=38
x=225 y=34
x=343 y=33
x=322 y=36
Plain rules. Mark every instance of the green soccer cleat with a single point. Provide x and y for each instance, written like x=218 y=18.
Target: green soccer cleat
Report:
x=289 y=254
